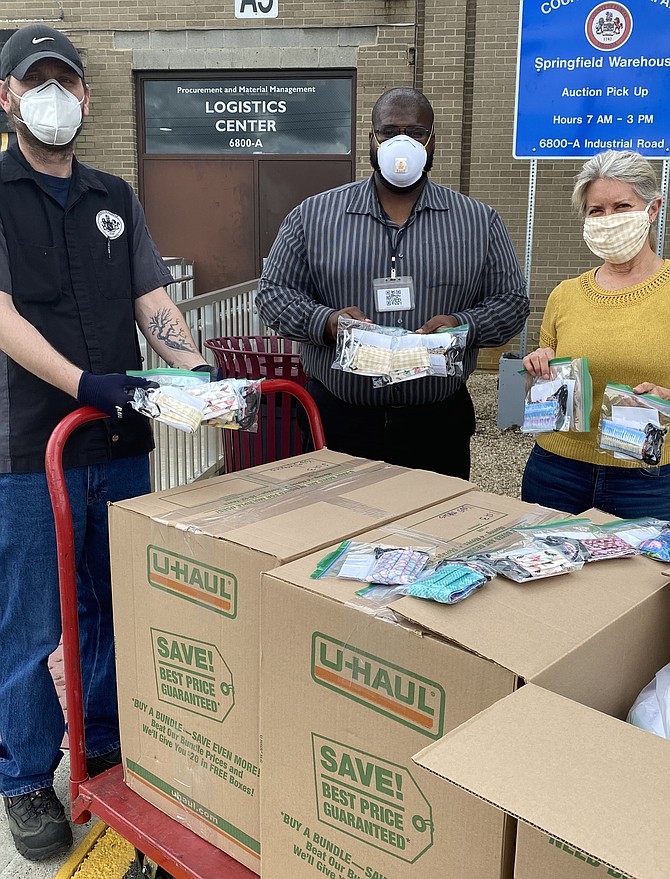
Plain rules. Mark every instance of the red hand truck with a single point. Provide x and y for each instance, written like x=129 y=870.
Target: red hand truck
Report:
x=177 y=851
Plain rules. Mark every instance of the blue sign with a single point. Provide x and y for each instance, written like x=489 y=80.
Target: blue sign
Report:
x=592 y=76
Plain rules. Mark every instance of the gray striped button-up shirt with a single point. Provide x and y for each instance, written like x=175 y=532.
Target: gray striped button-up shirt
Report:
x=331 y=246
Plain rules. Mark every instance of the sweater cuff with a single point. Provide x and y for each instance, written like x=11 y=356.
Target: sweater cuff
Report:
x=547 y=342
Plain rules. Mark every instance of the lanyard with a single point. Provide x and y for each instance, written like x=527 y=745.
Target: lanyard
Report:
x=394 y=240
x=394 y=243
x=398 y=236
x=394 y=293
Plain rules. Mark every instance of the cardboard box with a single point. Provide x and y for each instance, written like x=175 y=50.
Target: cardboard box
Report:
x=186 y=567
x=347 y=697
x=592 y=792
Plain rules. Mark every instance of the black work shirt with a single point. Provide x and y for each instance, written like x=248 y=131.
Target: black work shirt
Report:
x=74 y=274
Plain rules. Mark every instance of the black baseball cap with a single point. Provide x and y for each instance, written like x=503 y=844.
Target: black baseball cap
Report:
x=32 y=43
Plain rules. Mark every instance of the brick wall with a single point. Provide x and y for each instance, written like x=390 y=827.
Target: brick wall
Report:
x=108 y=138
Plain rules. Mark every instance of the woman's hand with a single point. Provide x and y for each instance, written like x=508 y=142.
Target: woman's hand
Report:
x=654 y=390
x=537 y=362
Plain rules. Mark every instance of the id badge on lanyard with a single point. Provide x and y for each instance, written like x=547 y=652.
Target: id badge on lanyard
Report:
x=394 y=294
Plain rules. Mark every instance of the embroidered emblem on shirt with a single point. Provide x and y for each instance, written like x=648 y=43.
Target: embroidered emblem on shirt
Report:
x=111 y=225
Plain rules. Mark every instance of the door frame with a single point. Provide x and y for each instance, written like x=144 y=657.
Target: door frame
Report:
x=287 y=75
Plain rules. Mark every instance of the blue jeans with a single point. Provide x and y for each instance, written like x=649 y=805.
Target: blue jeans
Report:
x=574 y=486
x=31 y=719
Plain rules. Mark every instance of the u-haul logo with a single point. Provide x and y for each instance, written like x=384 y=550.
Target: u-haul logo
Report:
x=389 y=689
x=192 y=580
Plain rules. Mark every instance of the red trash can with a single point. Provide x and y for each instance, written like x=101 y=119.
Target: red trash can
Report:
x=258 y=357
x=278 y=435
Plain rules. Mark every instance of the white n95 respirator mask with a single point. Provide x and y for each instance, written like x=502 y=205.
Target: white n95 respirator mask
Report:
x=401 y=160
x=51 y=112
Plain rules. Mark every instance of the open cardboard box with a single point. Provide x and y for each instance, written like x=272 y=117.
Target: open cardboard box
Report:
x=592 y=792
x=349 y=697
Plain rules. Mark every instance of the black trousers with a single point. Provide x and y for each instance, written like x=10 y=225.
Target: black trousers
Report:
x=434 y=437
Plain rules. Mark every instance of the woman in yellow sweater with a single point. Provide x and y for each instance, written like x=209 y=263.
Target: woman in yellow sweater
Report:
x=617 y=316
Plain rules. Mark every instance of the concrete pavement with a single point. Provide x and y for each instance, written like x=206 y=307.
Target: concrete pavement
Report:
x=12 y=865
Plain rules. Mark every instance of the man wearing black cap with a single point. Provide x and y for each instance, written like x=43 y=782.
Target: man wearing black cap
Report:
x=78 y=274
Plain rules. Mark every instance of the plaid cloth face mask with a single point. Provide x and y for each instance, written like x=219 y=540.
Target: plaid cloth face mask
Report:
x=411 y=359
x=376 y=361
x=618 y=237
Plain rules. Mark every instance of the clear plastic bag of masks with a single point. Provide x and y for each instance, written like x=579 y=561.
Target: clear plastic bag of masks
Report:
x=374 y=563
x=446 y=581
x=394 y=571
x=650 y=536
x=579 y=540
x=633 y=427
x=522 y=560
x=393 y=354
x=562 y=402
x=186 y=404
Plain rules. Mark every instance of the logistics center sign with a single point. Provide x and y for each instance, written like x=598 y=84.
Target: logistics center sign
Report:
x=282 y=115
x=592 y=76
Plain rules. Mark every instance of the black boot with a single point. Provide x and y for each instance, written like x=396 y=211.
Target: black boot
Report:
x=38 y=824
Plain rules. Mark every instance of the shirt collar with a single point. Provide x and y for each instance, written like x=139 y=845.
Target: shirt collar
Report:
x=364 y=199
x=14 y=166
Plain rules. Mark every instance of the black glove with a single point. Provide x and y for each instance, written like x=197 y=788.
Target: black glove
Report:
x=110 y=393
x=215 y=374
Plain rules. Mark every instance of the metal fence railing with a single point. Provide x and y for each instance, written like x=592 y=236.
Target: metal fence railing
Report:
x=179 y=457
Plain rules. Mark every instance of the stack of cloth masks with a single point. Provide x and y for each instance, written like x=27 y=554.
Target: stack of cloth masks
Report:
x=523 y=553
x=393 y=354
x=394 y=571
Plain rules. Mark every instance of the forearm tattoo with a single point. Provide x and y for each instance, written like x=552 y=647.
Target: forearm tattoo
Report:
x=168 y=330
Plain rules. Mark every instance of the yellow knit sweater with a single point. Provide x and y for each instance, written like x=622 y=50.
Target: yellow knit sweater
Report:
x=626 y=336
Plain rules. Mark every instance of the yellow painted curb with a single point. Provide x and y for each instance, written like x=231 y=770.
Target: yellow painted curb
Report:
x=81 y=851
x=103 y=853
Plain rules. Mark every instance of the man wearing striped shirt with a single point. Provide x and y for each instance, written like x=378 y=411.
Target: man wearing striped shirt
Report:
x=397 y=223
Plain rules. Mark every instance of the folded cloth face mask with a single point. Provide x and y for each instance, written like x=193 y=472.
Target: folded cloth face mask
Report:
x=529 y=563
x=173 y=406
x=587 y=549
x=617 y=238
x=398 y=566
x=385 y=361
x=657 y=547
x=367 y=358
x=645 y=444
x=410 y=359
x=449 y=584
x=541 y=416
